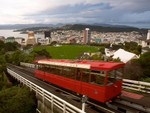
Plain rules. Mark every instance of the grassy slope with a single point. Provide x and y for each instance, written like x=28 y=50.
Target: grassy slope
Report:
x=67 y=51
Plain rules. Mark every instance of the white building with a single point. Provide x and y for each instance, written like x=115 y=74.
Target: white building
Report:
x=146 y=43
x=148 y=35
x=20 y=40
x=43 y=41
x=124 y=56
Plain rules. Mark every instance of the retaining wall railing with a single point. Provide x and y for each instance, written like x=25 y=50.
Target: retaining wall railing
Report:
x=64 y=106
x=136 y=85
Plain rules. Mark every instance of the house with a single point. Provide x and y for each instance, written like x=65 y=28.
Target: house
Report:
x=124 y=56
x=20 y=40
x=2 y=38
x=10 y=39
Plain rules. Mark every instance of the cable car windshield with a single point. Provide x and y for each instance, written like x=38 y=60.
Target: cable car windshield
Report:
x=97 y=77
x=115 y=75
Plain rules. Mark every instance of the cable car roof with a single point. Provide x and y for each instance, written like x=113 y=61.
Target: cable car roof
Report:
x=84 y=64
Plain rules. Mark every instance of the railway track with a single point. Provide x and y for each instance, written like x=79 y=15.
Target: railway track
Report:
x=126 y=106
x=118 y=106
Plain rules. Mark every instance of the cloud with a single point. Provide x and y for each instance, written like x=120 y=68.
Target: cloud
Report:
x=67 y=11
x=77 y=8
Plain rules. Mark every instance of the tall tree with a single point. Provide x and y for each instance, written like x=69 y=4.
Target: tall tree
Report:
x=145 y=63
x=17 y=100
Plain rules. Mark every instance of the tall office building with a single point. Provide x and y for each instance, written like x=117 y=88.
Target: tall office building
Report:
x=148 y=35
x=31 y=38
x=87 y=36
x=47 y=34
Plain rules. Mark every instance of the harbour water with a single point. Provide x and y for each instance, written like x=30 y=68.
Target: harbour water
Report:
x=10 y=33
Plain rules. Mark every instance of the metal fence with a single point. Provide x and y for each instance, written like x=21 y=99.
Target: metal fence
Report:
x=64 y=106
x=27 y=65
x=136 y=85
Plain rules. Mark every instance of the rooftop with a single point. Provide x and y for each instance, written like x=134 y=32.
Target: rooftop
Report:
x=85 y=64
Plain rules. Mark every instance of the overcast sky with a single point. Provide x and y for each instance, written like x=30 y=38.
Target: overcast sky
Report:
x=123 y=12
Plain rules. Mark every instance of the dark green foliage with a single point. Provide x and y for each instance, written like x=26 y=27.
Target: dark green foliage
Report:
x=116 y=60
x=4 y=82
x=102 y=50
x=1 y=45
x=29 y=58
x=133 y=47
x=80 y=27
x=139 y=69
x=97 y=57
x=19 y=56
x=8 y=58
x=17 y=100
x=133 y=70
x=144 y=60
x=2 y=64
x=42 y=52
x=146 y=79
x=28 y=46
x=9 y=46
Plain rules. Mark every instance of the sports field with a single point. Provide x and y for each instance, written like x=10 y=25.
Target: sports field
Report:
x=67 y=51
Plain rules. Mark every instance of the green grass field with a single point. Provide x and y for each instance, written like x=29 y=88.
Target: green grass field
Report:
x=67 y=51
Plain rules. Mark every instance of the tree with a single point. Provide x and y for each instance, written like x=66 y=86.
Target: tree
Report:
x=2 y=64
x=133 y=70
x=17 y=57
x=102 y=50
x=10 y=46
x=42 y=54
x=144 y=61
x=8 y=58
x=1 y=44
x=17 y=100
x=133 y=47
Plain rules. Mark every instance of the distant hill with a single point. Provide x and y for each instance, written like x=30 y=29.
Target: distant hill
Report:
x=109 y=25
x=23 y=26
x=103 y=28
x=93 y=27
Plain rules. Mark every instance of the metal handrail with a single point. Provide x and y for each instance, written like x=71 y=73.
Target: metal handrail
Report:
x=60 y=103
x=136 y=85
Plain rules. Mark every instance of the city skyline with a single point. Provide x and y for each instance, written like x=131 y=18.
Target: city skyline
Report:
x=116 y=12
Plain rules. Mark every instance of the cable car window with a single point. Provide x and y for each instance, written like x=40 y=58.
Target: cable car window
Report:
x=78 y=74
x=115 y=75
x=97 y=77
x=85 y=75
x=41 y=67
x=69 y=72
x=53 y=69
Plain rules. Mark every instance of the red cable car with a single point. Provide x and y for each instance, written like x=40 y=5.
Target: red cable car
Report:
x=98 y=80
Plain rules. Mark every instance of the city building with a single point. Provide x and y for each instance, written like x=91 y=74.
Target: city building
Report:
x=98 y=40
x=47 y=35
x=10 y=39
x=43 y=41
x=2 y=38
x=148 y=35
x=146 y=42
x=87 y=36
x=72 y=40
x=31 y=38
x=20 y=40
